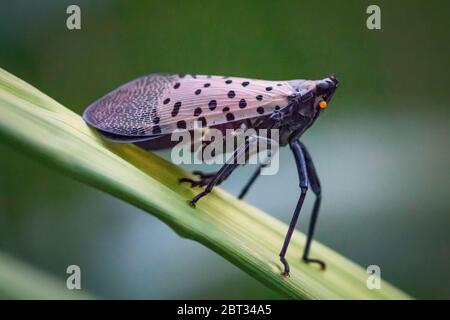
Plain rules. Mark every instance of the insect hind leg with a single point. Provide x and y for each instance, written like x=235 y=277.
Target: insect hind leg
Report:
x=225 y=171
x=218 y=178
x=203 y=179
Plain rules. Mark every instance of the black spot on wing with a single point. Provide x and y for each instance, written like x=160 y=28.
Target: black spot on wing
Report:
x=156 y=130
x=197 y=112
x=181 y=124
x=176 y=108
x=212 y=105
x=230 y=116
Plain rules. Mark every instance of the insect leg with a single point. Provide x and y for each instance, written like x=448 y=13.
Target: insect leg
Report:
x=221 y=175
x=203 y=175
x=225 y=171
x=204 y=179
x=315 y=187
x=257 y=172
x=251 y=181
x=303 y=177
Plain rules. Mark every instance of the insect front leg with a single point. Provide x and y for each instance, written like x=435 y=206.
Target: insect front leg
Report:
x=315 y=187
x=303 y=177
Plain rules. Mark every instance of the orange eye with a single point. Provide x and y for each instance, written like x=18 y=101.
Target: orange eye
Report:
x=323 y=104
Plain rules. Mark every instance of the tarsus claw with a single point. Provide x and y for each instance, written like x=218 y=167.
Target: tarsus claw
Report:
x=285 y=274
x=191 y=203
x=322 y=264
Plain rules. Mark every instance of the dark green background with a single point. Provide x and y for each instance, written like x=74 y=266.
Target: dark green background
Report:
x=381 y=148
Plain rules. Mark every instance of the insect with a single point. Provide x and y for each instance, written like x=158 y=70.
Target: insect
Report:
x=147 y=110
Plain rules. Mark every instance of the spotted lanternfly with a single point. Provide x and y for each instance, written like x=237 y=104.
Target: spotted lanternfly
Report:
x=147 y=110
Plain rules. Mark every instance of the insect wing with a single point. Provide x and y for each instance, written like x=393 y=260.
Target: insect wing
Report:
x=159 y=104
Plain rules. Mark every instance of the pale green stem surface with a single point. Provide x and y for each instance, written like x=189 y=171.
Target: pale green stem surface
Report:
x=242 y=234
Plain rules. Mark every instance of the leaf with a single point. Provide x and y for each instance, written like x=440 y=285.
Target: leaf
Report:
x=242 y=234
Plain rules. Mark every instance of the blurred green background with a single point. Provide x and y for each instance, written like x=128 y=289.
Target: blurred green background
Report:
x=381 y=148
